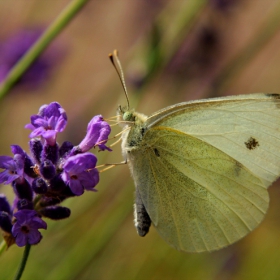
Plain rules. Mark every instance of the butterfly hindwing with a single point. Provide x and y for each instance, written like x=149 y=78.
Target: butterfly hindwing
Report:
x=206 y=200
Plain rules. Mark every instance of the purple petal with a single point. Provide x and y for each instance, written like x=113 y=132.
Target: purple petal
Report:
x=17 y=150
x=5 y=162
x=40 y=122
x=21 y=240
x=65 y=177
x=29 y=126
x=34 y=237
x=51 y=122
x=52 y=110
x=61 y=122
x=37 y=132
x=89 y=179
x=79 y=163
x=37 y=222
x=34 y=118
x=7 y=178
x=76 y=187
x=41 y=110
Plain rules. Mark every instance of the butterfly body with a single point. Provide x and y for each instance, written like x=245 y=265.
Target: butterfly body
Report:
x=202 y=168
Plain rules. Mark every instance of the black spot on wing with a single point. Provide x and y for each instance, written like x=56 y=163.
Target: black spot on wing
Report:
x=251 y=143
x=156 y=152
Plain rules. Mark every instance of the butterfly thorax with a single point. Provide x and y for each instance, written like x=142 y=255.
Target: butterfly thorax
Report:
x=134 y=125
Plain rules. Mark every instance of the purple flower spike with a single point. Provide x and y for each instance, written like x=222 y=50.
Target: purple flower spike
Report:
x=50 y=120
x=25 y=230
x=80 y=173
x=97 y=135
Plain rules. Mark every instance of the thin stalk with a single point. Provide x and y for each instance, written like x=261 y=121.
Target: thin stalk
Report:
x=23 y=262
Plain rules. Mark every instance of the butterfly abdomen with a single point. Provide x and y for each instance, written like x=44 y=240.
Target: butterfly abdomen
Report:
x=141 y=217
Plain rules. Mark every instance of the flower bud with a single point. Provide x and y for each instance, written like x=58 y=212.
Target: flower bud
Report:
x=24 y=204
x=47 y=169
x=5 y=221
x=50 y=152
x=57 y=184
x=36 y=149
x=55 y=212
x=39 y=186
x=4 y=204
x=23 y=189
x=65 y=148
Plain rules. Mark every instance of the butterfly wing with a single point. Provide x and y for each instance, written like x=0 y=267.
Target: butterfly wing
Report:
x=202 y=171
x=245 y=127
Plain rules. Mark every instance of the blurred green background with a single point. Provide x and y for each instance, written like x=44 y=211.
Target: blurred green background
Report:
x=171 y=51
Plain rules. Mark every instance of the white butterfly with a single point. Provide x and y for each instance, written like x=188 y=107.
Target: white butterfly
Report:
x=202 y=168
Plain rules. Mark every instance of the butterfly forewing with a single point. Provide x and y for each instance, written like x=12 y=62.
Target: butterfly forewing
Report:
x=245 y=127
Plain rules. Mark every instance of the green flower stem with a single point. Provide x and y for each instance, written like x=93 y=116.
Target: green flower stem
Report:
x=23 y=261
x=52 y=31
x=3 y=247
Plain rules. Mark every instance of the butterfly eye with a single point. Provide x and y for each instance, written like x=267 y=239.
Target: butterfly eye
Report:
x=127 y=116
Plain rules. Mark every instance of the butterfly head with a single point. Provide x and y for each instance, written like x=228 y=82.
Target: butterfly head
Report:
x=125 y=116
x=129 y=117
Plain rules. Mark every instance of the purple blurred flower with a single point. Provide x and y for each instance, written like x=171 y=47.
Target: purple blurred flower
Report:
x=80 y=173
x=97 y=135
x=13 y=168
x=14 y=48
x=223 y=5
x=50 y=120
x=25 y=229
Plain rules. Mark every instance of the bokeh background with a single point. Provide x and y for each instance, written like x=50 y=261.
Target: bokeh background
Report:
x=171 y=51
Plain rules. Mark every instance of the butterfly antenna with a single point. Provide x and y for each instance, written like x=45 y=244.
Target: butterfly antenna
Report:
x=117 y=65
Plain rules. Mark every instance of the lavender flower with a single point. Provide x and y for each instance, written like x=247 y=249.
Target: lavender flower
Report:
x=50 y=120
x=52 y=174
x=80 y=173
x=97 y=135
x=25 y=230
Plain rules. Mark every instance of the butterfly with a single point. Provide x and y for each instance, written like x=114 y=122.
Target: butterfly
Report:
x=202 y=168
